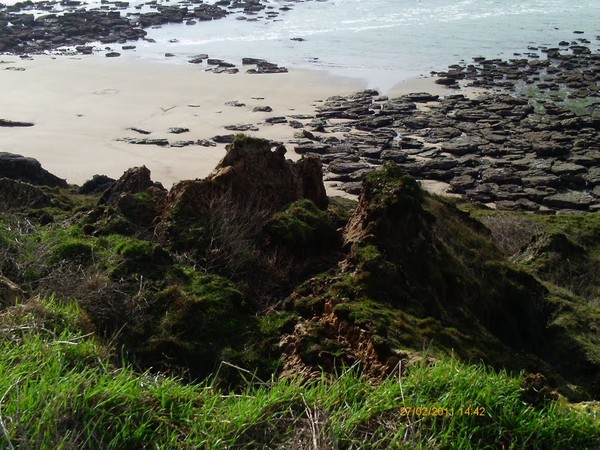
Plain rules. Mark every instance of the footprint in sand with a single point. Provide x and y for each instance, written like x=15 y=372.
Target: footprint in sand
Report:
x=106 y=92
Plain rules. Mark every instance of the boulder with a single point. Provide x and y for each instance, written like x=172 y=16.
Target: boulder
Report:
x=134 y=181
x=97 y=185
x=29 y=170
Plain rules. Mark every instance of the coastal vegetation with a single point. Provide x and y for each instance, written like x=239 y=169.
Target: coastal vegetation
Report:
x=250 y=309
x=231 y=313
x=64 y=388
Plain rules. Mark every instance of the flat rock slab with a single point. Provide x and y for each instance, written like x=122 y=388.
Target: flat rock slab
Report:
x=146 y=141
x=570 y=200
x=344 y=166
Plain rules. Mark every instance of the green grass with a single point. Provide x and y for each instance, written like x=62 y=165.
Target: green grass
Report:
x=60 y=389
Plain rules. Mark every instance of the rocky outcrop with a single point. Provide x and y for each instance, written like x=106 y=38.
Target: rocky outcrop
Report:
x=251 y=172
x=136 y=196
x=410 y=259
x=133 y=181
x=28 y=170
x=389 y=199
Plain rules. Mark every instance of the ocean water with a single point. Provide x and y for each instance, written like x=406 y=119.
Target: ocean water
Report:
x=383 y=41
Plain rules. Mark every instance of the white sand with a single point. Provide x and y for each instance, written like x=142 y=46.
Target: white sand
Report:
x=81 y=106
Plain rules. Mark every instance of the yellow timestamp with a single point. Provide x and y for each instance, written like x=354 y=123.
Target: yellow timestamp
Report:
x=440 y=411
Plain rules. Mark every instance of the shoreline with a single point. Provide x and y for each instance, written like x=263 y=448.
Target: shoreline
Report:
x=81 y=105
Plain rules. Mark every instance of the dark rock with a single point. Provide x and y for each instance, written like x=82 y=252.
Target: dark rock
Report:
x=463 y=145
x=262 y=109
x=14 y=123
x=373 y=123
x=570 y=200
x=85 y=49
x=205 y=143
x=372 y=152
x=139 y=130
x=252 y=61
x=274 y=120
x=28 y=170
x=499 y=176
x=342 y=166
x=235 y=104
x=446 y=81
x=462 y=183
x=263 y=67
x=540 y=180
x=97 y=185
x=353 y=187
x=358 y=175
x=225 y=69
x=133 y=181
x=443 y=134
x=178 y=130
x=483 y=193
x=310 y=136
x=592 y=177
x=181 y=144
x=224 y=138
x=241 y=127
x=393 y=155
x=566 y=168
x=410 y=142
x=549 y=149
x=312 y=147
x=146 y=141
x=421 y=97
x=136 y=196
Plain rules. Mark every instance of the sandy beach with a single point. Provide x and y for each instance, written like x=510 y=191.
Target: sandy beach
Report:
x=81 y=106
